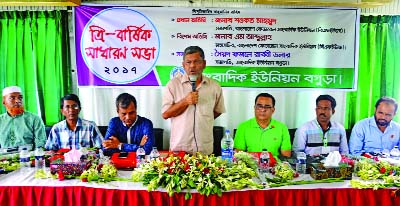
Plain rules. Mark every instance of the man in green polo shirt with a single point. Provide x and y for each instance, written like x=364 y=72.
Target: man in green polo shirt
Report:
x=263 y=132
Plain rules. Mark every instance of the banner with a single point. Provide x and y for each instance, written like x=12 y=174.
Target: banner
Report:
x=273 y=48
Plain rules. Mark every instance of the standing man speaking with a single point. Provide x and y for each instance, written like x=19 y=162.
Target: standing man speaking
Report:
x=192 y=101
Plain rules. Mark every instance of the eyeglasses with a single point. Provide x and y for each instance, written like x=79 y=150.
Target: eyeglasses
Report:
x=74 y=107
x=262 y=107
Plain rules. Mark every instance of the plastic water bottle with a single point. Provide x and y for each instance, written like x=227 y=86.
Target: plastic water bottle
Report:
x=264 y=161
x=84 y=152
x=39 y=158
x=301 y=163
x=140 y=156
x=227 y=147
x=24 y=158
x=395 y=152
x=154 y=154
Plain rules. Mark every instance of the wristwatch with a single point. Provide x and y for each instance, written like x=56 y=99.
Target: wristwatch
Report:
x=120 y=146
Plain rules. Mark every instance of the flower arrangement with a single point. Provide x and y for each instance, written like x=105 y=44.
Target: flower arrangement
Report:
x=284 y=171
x=372 y=169
x=9 y=163
x=368 y=169
x=8 y=166
x=207 y=174
x=99 y=173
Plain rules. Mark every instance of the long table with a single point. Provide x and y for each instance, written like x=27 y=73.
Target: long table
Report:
x=18 y=189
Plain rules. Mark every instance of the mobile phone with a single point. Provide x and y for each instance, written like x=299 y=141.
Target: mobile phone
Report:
x=123 y=155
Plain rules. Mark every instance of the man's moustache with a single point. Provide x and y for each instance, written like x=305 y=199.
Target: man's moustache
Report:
x=382 y=122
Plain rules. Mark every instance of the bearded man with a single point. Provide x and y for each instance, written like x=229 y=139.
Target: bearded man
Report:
x=17 y=126
x=377 y=133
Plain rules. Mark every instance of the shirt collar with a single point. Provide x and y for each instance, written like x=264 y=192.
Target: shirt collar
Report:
x=78 y=123
x=18 y=115
x=319 y=125
x=254 y=124
x=137 y=117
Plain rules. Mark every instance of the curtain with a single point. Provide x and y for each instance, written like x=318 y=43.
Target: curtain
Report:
x=35 y=55
x=379 y=55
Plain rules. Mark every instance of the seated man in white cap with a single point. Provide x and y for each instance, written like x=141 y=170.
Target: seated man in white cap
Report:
x=19 y=127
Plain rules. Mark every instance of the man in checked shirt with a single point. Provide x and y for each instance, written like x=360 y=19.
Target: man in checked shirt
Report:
x=73 y=132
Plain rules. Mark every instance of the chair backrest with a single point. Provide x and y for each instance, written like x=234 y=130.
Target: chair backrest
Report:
x=103 y=130
x=158 y=138
x=218 y=133
x=291 y=133
x=348 y=133
x=48 y=129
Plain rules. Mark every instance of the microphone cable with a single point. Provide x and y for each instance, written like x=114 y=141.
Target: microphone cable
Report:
x=193 y=79
x=194 y=128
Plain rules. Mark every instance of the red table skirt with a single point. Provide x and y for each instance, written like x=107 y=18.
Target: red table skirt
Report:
x=78 y=195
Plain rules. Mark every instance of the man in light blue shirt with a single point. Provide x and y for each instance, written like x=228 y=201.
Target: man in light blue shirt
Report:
x=376 y=133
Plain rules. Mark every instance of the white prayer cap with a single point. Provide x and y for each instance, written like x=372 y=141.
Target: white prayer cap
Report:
x=11 y=89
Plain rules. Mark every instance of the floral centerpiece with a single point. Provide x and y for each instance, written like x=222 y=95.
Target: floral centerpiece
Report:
x=8 y=165
x=207 y=174
x=380 y=174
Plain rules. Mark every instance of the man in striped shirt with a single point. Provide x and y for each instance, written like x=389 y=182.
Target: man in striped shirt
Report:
x=73 y=132
x=321 y=135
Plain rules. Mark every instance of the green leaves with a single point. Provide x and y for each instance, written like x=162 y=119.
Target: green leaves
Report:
x=284 y=171
x=9 y=164
x=207 y=174
x=107 y=173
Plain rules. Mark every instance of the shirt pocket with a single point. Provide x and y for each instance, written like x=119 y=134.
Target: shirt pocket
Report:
x=206 y=107
x=393 y=139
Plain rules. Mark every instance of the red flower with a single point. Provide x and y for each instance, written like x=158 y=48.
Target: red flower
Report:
x=99 y=167
x=296 y=174
x=206 y=171
x=351 y=163
x=60 y=175
x=170 y=171
x=382 y=170
x=181 y=154
x=187 y=168
x=171 y=164
x=84 y=179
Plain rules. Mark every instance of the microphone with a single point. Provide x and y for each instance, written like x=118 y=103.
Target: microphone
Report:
x=193 y=79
